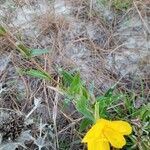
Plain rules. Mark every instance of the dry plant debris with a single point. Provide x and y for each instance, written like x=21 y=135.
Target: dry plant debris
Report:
x=52 y=53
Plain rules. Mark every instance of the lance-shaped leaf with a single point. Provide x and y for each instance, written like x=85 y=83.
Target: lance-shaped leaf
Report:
x=75 y=86
x=84 y=124
x=83 y=107
x=2 y=31
x=67 y=77
x=38 y=74
x=23 y=49
x=38 y=52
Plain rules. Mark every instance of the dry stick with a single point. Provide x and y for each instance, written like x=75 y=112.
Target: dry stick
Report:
x=55 y=89
x=116 y=49
x=55 y=117
x=66 y=116
x=46 y=98
x=70 y=125
x=147 y=28
x=17 y=107
x=32 y=110
x=91 y=7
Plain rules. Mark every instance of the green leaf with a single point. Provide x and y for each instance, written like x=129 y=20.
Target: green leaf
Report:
x=84 y=124
x=75 y=87
x=38 y=52
x=112 y=99
x=102 y=109
x=2 y=31
x=24 y=50
x=67 y=77
x=121 y=5
x=100 y=98
x=109 y=92
x=83 y=108
x=145 y=112
x=129 y=104
x=85 y=93
x=109 y=100
x=105 y=102
x=38 y=74
x=97 y=114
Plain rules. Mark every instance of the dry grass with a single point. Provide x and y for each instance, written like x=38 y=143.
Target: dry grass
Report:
x=83 y=39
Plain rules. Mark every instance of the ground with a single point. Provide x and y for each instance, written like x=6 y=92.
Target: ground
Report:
x=107 y=41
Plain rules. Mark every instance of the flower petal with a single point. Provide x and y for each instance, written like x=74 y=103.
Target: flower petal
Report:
x=95 y=132
x=115 y=138
x=99 y=145
x=122 y=127
x=102 y=145
x=90 y=145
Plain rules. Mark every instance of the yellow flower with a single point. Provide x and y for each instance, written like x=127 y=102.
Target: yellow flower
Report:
x=106 y=132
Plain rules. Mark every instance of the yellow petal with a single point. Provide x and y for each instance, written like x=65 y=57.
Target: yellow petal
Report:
x=115 y=138
x=122 y=127
x=95 y=132
x=98 y=145
x=102 y=145
x=90 y=145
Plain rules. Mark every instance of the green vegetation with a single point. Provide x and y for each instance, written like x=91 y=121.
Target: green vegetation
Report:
x=119 y=5
x=62 y=90
x=2 y=30
x=111 y=106
x=122 y=4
